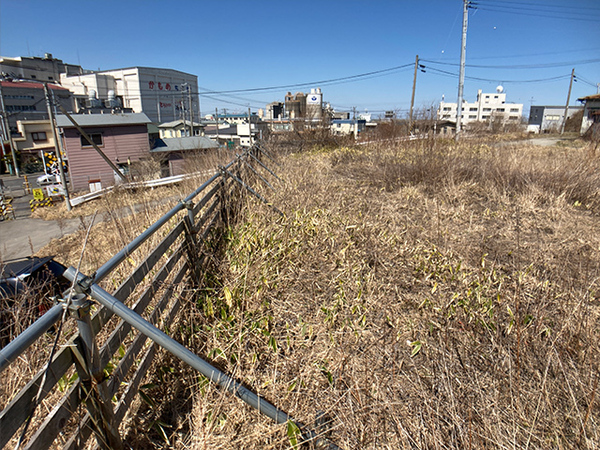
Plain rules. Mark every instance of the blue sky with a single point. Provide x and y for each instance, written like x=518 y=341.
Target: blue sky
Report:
x=529 y=47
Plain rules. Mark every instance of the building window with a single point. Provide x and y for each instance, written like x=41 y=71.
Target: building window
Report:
x=15 y=108
x=513 y=118
x=39 y=136
x=485 y=117
x=495 y=96
x=514 y=110
x=487 y=109
x=472 y=109
x=95 y=137
x=472 y=117
x=446 y=108
x=500 y=110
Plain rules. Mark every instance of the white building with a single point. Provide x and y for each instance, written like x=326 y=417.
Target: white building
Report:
x=162 y=94
x=487 y=107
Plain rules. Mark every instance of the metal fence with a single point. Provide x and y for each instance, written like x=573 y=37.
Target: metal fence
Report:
x=149 y=298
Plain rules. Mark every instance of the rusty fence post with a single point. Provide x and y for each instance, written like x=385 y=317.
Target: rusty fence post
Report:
x=94 y=391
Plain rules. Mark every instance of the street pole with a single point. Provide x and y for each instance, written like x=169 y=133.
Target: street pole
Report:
x=412 y=98
x=461 y=75
x=8 y=133
x=562 y=129
x=57 y=146
x=191 y=110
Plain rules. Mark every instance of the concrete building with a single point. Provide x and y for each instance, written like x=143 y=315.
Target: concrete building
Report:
x=549 y=118
x=35 y=138
x=275 y=111
x=486 y=108
x=591 y=112
x=25 y=100
x=343 y=127
x=123 y=138
x=43 y=69
x=164 y=95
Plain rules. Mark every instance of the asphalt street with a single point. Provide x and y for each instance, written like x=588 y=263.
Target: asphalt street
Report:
x=23 y=235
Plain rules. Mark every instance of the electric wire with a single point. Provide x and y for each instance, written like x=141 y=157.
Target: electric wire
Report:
x=518 y=66
x=545 y=5
x=437 y=71
x=311 y=83
x=534 y=12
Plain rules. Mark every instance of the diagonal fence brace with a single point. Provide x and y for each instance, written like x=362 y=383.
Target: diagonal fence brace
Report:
x=263 y=166
x=249 y=189
x=245 y=161
x=266 y=153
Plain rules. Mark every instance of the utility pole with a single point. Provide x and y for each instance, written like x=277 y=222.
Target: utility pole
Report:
x=191 y=110
x=461 y=75
x=8 y=133
x=57 y=146
x=412 y=98
x=249 y=126
x=217 y=122
x=182 y=103
x=562 y=129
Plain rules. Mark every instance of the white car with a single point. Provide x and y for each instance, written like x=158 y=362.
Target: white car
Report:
x=47 y=179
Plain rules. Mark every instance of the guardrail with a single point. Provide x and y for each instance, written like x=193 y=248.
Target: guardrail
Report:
x=175 y=262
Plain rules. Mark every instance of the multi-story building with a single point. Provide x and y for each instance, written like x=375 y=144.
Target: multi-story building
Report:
x=36 y=68
x=487 y=107
x=164 y=95
x=24 y=100
x=549 y=118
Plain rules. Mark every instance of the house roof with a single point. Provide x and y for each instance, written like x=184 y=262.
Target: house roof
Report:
x=590 y=97
x=183 y=144
x=31 y=85
x=103 y=120
x=232 y=130
x=176 y=123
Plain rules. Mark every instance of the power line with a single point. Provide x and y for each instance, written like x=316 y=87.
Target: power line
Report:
x=454 y=75
x=519 y=66
x=545 y=5
x=519 y=11
x=311 y=83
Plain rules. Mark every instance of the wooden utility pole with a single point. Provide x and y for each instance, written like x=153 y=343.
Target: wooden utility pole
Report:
x=8 y=133
x=57 y=146
x=461 y=75
x=562 y=129
x=412 y=98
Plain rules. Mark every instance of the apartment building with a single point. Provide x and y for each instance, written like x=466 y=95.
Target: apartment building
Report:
x=488 y=106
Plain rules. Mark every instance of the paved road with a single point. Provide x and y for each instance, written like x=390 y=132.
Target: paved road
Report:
x=20 y=237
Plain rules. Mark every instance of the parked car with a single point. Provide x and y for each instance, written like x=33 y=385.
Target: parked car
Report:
x=47 y=179
x=26 y=285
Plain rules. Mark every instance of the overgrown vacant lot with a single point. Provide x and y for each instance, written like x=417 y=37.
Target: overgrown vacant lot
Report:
x=418 y=296
x=424 y=295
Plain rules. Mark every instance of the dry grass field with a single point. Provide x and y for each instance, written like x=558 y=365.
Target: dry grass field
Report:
x=418 y=295
x=424 y=295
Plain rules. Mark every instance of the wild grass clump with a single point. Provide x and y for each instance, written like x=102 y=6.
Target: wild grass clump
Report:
x=436 y=296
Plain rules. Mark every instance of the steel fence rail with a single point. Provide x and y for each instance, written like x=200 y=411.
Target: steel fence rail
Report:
x=178 y=350
x=19 y=344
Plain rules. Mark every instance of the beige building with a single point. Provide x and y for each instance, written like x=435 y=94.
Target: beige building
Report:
x=488 y=106
x=164 y=95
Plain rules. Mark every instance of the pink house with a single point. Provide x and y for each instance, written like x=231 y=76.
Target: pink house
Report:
x=123 y=138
